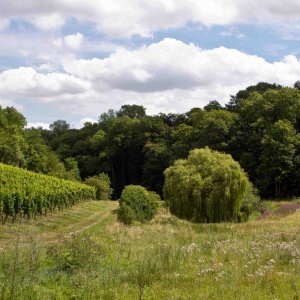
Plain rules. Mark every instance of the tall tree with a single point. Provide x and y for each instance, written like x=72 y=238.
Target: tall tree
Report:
x=132 y=111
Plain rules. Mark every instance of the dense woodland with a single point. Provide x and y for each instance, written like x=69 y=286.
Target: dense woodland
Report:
x=259 y=127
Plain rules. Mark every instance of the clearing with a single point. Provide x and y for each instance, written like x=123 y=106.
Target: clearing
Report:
x=84 y=253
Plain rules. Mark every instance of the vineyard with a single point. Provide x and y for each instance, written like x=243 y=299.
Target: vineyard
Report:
x=27 y=194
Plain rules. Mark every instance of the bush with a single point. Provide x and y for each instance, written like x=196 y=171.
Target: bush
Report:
x=208 y=186
x=136 y=203
x=250 y=202
x=77 y=252
x=125 y=214
x=102 y=185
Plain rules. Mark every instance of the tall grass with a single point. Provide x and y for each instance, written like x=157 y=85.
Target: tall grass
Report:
x=165 y=259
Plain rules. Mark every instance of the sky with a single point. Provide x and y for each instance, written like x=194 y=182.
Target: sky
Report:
x=73 y=60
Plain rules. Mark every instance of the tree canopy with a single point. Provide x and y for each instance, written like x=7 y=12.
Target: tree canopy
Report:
x=259 y=127
x=208 y=186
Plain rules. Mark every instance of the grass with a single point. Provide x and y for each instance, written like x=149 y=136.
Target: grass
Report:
x=84 y=253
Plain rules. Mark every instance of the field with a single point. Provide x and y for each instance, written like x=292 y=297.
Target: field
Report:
x=84 y=253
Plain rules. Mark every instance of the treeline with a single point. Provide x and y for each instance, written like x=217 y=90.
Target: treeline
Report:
x=259 y=127
x=27 y=148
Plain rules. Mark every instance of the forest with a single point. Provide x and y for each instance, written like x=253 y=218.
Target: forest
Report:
x=259 y=127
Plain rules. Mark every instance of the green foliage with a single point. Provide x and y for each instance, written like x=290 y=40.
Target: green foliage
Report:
x=72 y=170
x=77 y=252
x=157 y=159
x=37 y=153
x=171 y=260
x=250 y=202
x=266 y=140
x=97 y=139
x=125 y=214
x=9 y=116
x=19 y=267
x=278 y=154
x=213 y=105
x=102 y=185
x=29 y=194
x=13 y=146
x=142 y=203
x=59 y=126
x=259 y=128
x=132 y=111
x=261 y=87
x=206 y=187
x=212 y=128
x=54 y=166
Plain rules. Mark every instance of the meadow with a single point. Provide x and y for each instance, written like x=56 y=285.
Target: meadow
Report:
x=85 y=253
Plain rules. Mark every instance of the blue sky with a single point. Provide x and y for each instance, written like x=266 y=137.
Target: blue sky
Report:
x=71 y=60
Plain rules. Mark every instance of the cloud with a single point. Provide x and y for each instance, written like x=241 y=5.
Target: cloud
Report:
x=48 y=22
x=172 y=64
x=166 y=76
x=27 y=82
x=121 y=18
x=81 y=123
x=4 y=102
x=74 y=40
x=3 y=23
x=38 y=125
x=48 y=48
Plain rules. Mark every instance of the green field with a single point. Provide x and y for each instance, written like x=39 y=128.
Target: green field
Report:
x=84 y=253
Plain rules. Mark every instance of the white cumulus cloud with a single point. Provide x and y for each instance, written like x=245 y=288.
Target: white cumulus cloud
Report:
x=172 y=65
x=166 y=76
x=121 y=18
x=27 y=82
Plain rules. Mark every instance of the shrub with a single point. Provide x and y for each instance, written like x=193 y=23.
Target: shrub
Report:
x=250 y=202
x=136 y=203
x=125 y=214
x=208 y=186
x=77 y=252
x=102 y=185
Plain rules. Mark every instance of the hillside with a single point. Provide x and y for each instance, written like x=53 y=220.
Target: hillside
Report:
x=86 y=254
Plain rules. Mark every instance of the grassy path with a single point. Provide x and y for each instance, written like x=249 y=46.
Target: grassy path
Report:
x=62 y=224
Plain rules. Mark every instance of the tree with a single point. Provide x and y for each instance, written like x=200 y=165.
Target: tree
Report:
x=213 y=128
x=9 y=116
x=252 y=143
x=297 y=85
x=13 y=146
x=182 y=138
x=157 y=159
x=260 y=88
x=213 y=105
x=122 y=147
x=278 y=155
x=102 y=184
x=37 y=153
x=59 y=126
x=208 y=186
x=72 y=171
x=172 y=119
x=132 y=111
x=97 y=139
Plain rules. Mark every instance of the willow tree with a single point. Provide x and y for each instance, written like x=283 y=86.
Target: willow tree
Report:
x=208 y=186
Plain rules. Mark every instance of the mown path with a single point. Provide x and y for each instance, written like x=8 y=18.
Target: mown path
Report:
x=63 y=224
